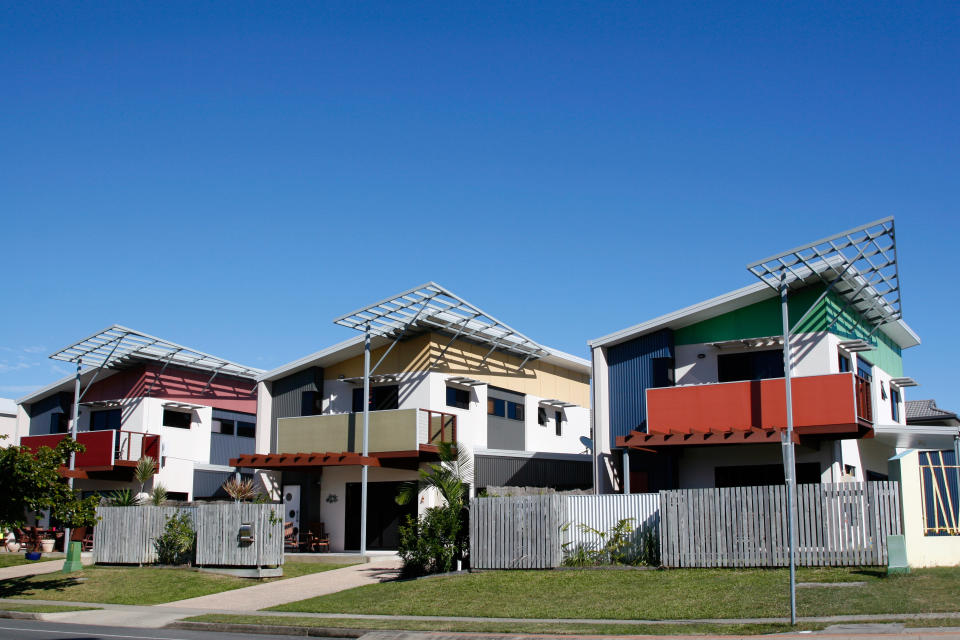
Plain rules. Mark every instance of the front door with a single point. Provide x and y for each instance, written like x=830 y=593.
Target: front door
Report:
x=384 y=515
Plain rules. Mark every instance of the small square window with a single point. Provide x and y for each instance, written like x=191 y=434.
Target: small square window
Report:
x=497 y=407
x=514 y=411
x=459 y=398
x=178 y=419
x=246 y=429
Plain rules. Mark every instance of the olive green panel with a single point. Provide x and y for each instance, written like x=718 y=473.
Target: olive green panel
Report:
x=394 y=430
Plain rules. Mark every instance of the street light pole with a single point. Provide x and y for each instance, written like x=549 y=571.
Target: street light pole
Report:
x=789 y=464
x=366 y=438
x=75 y=416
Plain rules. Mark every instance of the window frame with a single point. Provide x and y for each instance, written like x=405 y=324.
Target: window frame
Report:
x=188 y=414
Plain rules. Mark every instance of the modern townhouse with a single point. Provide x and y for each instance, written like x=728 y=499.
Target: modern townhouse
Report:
x=440 y=370
x=144 y=396
x=696 y=398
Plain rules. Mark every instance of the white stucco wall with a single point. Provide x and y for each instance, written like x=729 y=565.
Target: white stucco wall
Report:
x=922 y=550
x=697 y=464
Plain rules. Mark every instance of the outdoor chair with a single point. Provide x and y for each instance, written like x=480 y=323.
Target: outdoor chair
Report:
x=321 y=541
x=290 y=539
x=83 y=535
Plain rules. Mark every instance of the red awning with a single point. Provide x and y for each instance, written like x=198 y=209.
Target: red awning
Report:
x=304 y=460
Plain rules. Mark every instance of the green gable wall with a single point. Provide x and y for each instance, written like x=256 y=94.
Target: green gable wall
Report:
x=762 y=319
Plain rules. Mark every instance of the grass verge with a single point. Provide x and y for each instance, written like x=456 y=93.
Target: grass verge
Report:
x=43 y=608
x=508 y=627
x=138 y=585
x=654 y=595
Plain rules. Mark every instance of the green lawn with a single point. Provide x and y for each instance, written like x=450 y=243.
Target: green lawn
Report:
x=15 y=559
x=137 y=585
x=42 y=608
x=653 y=595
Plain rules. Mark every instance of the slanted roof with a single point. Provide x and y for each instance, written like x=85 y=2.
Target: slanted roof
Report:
x=116 y=347
x=927 y=410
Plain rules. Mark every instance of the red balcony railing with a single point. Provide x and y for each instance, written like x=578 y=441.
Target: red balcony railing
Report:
x=104 y=449
x=441 y=427
x=821 y=404
x=864 y=399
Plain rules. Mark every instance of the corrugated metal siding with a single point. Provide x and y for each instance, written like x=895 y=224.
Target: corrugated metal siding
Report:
x=288 y=396
x=504 y=471
x=207 y=484
x=603 y=512
x=630 y=374
x=223 y=447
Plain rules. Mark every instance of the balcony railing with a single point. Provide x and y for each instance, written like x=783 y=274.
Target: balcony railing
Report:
x=441 y=427
x=104 y=449
x=821 y=404
x=864 y=399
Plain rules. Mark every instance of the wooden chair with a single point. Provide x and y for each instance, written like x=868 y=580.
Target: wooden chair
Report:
x=83 y=535
x=291 y=541
x=320 y=541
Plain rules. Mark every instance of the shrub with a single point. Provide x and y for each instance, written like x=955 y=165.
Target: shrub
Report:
x=431 y=544
x=122 y=498
x=175 y=544
x=621 y=545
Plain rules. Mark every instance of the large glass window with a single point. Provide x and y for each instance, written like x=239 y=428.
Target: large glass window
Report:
x=382 y=398
x=178 y=419
x=102 y=420
x=895 y=404
x=751 y=365
x=864 y=369
x=459 y=398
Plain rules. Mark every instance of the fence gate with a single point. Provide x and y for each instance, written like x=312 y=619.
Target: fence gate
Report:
x=837 y=524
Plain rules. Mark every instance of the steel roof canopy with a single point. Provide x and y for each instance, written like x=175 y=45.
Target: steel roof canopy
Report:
x=116 y=345
x=861 y=263
x=430 y=307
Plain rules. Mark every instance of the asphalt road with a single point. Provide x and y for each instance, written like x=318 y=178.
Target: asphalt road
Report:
x=34 y=630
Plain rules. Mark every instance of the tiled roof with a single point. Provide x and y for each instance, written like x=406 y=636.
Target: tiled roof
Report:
x=926 y=409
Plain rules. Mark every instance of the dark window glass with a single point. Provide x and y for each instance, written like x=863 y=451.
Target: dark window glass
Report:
x=558 y=417
x=382 y=398
x=752 y=365
x=873 y=476
x=310 y=403
x=459 y=398
x=844 y=363
x=222 y=425
x=514 y=411
x=763 y=474
x=246 y=429
x=864 y=369
x=497 y=407
x=541 y=416
x=101 y=420
x=895 y=404
x=662 y=372
x=59 y=423
x=178 y=419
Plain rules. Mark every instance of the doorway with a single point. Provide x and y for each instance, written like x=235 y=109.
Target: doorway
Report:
x=384 y=515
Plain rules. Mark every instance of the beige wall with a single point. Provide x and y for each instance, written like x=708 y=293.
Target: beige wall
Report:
x=465 y=359
x=389 y=431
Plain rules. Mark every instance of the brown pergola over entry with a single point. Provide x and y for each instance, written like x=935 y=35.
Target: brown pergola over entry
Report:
x=303 y=461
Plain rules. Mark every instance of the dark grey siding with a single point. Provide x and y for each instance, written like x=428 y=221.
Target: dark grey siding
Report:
x=633 y=367
x=42 y=412
x=223 y=447
x=503 y=433
x=209 y=484
x=295 y=396
x=505 y=471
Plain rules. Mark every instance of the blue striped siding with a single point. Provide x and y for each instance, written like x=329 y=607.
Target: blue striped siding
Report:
x=630 y=373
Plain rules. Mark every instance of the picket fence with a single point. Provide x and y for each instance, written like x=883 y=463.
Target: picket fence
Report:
x=126 y=535
x=531 y=532
x=838 y=524
x=843 y=524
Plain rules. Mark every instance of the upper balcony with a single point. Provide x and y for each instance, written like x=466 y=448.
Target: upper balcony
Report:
x=390 y=431
x=754 y=411
x=106 y=451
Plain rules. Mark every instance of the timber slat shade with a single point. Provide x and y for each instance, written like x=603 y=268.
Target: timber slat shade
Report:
x=317 y=459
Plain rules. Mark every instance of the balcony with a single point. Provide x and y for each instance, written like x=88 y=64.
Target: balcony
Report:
x=821 y=404
x=390 y=431
x=105 y=451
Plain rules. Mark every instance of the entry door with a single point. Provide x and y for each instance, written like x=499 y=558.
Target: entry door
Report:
x=384 y=515
x=291 y=505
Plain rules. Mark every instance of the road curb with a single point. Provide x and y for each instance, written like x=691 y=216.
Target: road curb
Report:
x=272 y=629
x=20 y=615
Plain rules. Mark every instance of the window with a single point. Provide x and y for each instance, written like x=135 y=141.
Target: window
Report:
x=223 y=425
x=558 y=416
x=102 y=420
x=751 y=365
x=246 y=429
x=844 y=362
x=763 y=474
x=310 y=403
x=383 y=398
x=459 y=398
x=864 y=369
x=541 y=416
x=663 y=372
x=514 y=410
x=497 y=407
x=59 y=422
x=895 y=404
x=178 y=419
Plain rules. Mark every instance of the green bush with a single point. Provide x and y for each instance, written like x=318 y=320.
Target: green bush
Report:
x=431 y=544
x=621 y=545
x=175 y=545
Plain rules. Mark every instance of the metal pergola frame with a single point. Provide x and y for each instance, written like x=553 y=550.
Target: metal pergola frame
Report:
x=428 y=307
x=861 y=266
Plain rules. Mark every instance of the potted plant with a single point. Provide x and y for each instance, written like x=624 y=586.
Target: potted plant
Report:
x=46 y=545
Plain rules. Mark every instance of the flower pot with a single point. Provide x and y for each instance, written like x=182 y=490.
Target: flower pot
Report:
x=13 y=546
x=33 y=555
x=46 y=546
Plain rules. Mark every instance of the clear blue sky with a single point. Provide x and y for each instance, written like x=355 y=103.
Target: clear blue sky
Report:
x=232 y=176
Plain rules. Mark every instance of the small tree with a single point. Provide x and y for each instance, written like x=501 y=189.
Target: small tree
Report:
x=240 y=490
x=30 y=482
x=159 y=495
x=146 y=468
x=175 y=544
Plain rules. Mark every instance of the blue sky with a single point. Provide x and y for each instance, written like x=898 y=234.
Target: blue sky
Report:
x=232 y=176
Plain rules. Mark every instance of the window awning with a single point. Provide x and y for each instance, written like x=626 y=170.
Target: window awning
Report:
x=430 y=307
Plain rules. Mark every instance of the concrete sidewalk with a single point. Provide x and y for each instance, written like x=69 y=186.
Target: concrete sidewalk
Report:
x=261 y=596
x=30 y=569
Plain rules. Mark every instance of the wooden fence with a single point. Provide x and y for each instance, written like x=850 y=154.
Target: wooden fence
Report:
x=531 y=532
x=837 y=525
x=125 y=535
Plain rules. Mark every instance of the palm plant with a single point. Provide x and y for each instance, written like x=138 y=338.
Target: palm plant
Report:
x=145 y=469
x=159 y=495
x=240 y=489
x=449 y=477
x=122 y=498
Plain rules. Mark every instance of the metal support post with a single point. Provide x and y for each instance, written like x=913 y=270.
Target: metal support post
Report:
x=626 y=471
x=788 y=448
x=366 y=438
x=75 y=415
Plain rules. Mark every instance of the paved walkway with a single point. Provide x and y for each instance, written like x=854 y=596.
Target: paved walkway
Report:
x=261 y=596
x=30 y=569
